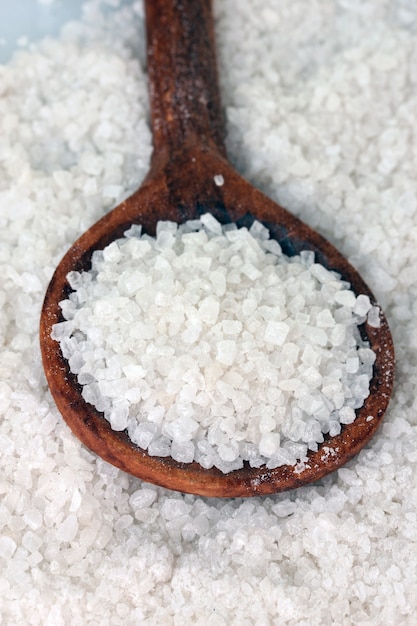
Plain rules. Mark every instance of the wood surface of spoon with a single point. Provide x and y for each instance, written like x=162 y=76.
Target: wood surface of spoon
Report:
x=188 y=153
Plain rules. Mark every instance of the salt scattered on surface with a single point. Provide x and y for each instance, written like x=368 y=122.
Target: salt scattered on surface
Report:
x=341 y=551
x=152 y=346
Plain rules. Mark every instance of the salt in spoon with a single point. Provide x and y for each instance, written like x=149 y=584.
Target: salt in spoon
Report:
x=189 y=158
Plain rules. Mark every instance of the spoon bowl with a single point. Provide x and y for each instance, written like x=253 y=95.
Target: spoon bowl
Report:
x=188 y=157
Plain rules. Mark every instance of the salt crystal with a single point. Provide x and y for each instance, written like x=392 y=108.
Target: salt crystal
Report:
x=144 y=434
x=307 y=257
x=218 y=281
x=290 y=352
x=316 y=335
x=160 y=447
x=33 y=518
x=165 y=241
x=334 y=428
x=166 y=226
x=231 y=327
x=62 y=330
x=31 y=541
x=325 y=319
x=209 y=310
x=182 y=452
x=362 y=305
x=210 y=222
x=228 y=452
x=7 y=547
x=285 y=508
x=251 y=271
x=103 y=537
x=142 y=498
x=310 y=356
x=182 y=430
x=134 y=372
x=374 y=318
x=352 y=365
x=338 y=334
x=118 y=416
x=312 y=377
x=249 y=305
x=347 y=415
x=366 y=356
x=241 y=402
x=6 y=445
x=345 y=298
x=131 y=281
x=226 y=351
x=360 y=388
x=68 y=529
x=156 y=414
x=321 y=273
x=259 y=231
x=134 y=231
x=273 y=247
x=91 y=393
x=269 y=444
x=111 y=253
x=276 y=333
x=191 y=333
x=312 y=432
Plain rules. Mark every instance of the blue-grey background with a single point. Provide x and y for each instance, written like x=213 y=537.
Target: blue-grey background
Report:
x=31 y=19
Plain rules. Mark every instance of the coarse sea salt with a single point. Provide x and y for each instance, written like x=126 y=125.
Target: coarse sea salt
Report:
x=340 y=551
x=206 y=343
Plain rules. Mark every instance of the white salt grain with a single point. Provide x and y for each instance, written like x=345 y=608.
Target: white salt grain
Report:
x=68 y=529
x=276 y=333
x=352 y=364
x=226 y=351
x=269 y=444
x=347 y=415
x=142 y=498
x=31 y=541
x=362 y=305
x=7 y=547
x=182 y=452
x=373 y=317
x=33 y=518
x=160 y=447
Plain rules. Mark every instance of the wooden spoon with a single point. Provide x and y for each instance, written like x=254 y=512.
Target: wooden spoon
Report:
x=188 y=153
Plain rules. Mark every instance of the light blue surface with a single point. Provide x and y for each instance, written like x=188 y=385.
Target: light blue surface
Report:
x=31 y=19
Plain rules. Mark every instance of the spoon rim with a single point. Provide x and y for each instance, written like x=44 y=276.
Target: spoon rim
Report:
x=95 y=431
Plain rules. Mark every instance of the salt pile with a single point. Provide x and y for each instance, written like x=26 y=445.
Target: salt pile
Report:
x=207 y=343
x=320 y=100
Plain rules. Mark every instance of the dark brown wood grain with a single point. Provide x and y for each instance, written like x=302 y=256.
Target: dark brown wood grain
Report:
x=188 y=153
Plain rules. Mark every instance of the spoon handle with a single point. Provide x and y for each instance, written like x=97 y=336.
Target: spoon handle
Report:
x=183 y=85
